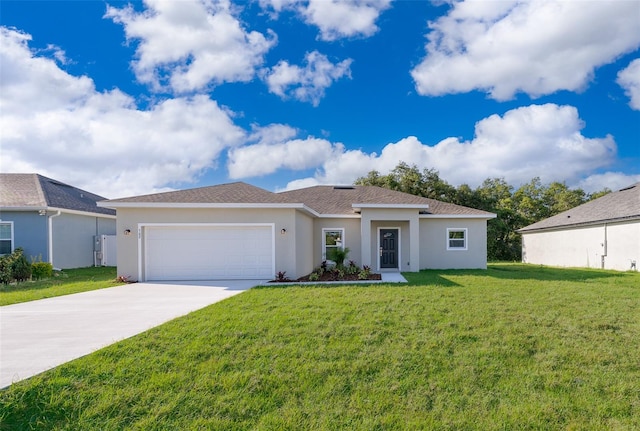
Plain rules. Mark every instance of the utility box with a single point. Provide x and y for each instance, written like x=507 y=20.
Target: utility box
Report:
x=105 y=250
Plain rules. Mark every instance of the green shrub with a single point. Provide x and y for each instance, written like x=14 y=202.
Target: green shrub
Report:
x=6 y=270
x=338 y=255
x=40 y=270
x=20 y=267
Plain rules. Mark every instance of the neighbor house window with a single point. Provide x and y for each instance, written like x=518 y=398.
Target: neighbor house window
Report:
x=6 y=237
x=456 y=239
x=331 y=239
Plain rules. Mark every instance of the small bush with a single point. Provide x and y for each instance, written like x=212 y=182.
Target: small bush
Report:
x=338 y=255
x=41 y=270
x=314 y=276
x=6 y=268
x=20 y=267
x=364 y=273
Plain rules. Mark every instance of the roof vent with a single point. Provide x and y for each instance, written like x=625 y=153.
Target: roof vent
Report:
x=343 y=188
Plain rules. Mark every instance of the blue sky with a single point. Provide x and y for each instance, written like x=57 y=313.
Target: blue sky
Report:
x=129 y=98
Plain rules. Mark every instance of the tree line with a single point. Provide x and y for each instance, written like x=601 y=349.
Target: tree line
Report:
x=515 y=208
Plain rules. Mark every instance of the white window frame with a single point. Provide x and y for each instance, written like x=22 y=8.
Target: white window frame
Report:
x=10 y=224
x=465 y=231
x=324 y=241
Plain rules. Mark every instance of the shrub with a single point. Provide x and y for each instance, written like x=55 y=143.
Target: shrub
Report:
x=6 y=270
x=20 y=267
x=364 y=273
x=282 y=276
x=352 y=268
x=314 y=276
x=40 y=270
x=338 y=255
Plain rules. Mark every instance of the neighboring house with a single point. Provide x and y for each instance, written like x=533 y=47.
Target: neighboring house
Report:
x=51 y=220
x=242 y=231
x=603 y=233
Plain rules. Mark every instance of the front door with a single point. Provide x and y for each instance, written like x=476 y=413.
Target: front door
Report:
x=388 y=248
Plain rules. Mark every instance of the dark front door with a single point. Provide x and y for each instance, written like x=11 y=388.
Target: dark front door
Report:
x=388 y=248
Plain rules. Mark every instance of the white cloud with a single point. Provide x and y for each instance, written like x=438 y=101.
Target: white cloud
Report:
x=306 y=84
x=612 y=180
x=535 y=141
x=191 y=44
x=629 y=79
x=515 y=46
x=336 y=19
x=57 y=125
x=275 y=149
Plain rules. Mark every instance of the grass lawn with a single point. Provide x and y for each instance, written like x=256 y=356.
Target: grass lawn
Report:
x=63 y=283
x=515 y=347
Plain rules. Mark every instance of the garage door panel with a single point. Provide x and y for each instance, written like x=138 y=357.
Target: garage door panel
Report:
x=209 y=252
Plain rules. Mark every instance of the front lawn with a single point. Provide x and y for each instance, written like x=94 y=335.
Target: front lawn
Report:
x=62 y=283
x=513 y=347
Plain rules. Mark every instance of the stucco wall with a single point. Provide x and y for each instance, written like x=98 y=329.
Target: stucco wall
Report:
x=351 y=238
x=29 y=232
x=130 y=218
x=73 y=239
x=304 y=245
x=585 y=246
x=434 y=239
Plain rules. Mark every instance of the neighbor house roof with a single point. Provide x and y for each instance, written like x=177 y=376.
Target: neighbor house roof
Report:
x=617 y=206
x=34 y=191
x=323 y=200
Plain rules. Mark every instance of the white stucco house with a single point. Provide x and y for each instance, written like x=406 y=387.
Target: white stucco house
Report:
x=241 y=231
x=603 y=233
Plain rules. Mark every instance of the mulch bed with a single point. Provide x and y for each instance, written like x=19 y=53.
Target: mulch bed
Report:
x=330 y=276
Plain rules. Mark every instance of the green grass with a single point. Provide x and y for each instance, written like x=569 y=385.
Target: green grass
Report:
x=515 y=347
x=63 y=283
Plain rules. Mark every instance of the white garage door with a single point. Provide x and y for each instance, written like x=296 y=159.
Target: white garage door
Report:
x=209 y=252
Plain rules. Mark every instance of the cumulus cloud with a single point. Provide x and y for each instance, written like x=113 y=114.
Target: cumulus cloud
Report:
x=277 y=149
x=308 y=83
x=534 y=141
x=515 y=46
x=336 y=19
x=629 y=79
x=191 y=44
x=612 y=180
x=58 y=125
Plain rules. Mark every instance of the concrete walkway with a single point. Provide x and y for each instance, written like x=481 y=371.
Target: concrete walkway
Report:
x=38 y=335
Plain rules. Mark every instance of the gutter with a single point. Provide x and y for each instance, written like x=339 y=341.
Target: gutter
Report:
x=50 y=228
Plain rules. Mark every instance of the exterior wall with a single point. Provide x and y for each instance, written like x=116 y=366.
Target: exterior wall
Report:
x=585 y=246
x=351 y=238
x=433 y=244
x=407 y=219
x=73 y=238
x=304 y=245
x=130 y=218
x=29 y=232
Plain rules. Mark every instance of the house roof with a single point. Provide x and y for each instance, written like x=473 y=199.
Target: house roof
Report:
x=342 y=199
x=24 y=191
x=324 y=200
x=617 y=206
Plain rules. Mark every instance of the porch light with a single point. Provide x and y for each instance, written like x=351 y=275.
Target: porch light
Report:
x=127 y=231
x=283 y=231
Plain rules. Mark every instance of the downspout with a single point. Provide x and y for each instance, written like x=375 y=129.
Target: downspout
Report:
x=51 y=217
x=604 y=247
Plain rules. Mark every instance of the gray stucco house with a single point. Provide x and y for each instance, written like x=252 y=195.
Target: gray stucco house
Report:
x=51 y=220
x=603 y=233
x=241 y=231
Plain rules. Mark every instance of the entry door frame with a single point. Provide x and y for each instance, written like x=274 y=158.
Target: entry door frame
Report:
x=381 y=228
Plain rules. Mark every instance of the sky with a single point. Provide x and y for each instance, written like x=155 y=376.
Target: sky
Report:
x=123 y=99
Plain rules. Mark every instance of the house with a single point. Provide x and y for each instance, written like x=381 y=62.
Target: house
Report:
x=51 y=220
x=241 y=231
x=603 y=233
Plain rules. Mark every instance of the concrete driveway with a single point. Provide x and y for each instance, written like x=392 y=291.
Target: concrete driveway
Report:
x=39 y=335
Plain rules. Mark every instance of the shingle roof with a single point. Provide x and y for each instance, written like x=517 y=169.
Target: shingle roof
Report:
x=621 y=205
x=233 y=193
x=321 y=199
x=340 y=200
x=39 y=192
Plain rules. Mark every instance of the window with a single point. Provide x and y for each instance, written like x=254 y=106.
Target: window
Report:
x=331 y=239
x=6 y=237
x=456 y=239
